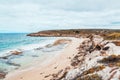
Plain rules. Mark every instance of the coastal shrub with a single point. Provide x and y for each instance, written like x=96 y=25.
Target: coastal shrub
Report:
x=117 y=43
x=77 y=32
x=112 y=36
x=112 y=60
x=90 y=77
x=90 y=74
x=93 y=69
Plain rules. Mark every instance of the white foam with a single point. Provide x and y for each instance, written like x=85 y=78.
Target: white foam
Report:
x=31 y=46
x=27 y=47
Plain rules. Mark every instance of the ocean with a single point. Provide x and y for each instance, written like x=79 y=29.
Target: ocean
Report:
x=16 y=40
x=33 y=50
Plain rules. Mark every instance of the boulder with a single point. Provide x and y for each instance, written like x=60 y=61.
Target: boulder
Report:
x=15 y=52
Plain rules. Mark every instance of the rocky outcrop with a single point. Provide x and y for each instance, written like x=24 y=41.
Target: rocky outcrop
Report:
x=16 y=52
x=2 y=75
x=11 y=53
x=94 y=61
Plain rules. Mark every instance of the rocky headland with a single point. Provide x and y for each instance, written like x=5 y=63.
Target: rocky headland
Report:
x=107 y=33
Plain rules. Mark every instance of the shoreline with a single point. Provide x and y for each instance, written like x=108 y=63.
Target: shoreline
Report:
x=82 y=59
x=55 y=65
x=20 y=59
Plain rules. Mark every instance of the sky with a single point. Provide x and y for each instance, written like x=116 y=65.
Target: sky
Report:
x=37 y=15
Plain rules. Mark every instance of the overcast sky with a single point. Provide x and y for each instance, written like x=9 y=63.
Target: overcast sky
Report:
x=37 y=15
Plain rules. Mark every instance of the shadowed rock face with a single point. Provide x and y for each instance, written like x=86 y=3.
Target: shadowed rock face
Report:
x=72 y=32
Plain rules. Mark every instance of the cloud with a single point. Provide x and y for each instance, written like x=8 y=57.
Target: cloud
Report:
x=35 y=15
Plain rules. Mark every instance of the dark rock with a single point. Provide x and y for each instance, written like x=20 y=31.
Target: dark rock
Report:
x=47 y=76
x=2 y=75
x=5 y=57
x=38 y=48
x=98 y=47
x=106 y=48
x=55 y=67
x=49 y=45
x=91 y=47
x=74 y=63
x=54 y=75
x=13 y=64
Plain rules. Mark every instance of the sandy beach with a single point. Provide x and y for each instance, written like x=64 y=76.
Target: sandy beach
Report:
x=57 y=63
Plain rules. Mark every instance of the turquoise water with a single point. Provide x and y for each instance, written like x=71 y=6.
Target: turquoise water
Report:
x=33 y=49
x=13 y=40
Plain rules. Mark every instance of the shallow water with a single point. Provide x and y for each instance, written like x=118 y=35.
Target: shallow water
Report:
x=33 y=49
x=10 y=41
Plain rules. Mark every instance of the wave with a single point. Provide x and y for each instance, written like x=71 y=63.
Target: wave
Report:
x=27 y=47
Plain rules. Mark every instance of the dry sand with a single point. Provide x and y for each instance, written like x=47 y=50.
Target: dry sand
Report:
x=59 y=62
